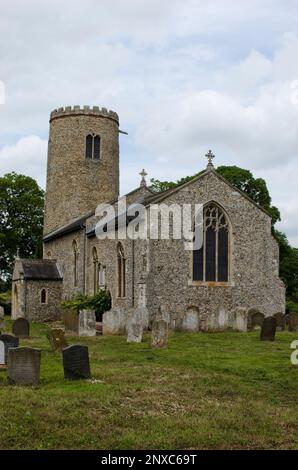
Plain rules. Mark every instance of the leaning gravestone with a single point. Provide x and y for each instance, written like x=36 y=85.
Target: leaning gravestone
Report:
x=20 y=328
x=2 y=354
x=159 y=334
x=23 y=366
x=134 y=332
x=268 y=329
x=76 y=362
x=71 y=322
x=87 y=323
x=9 y=342
x=57 y=339
x=2 y=321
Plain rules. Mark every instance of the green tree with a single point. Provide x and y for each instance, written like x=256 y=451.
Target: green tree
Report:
x=21 y=221
x=242 y=179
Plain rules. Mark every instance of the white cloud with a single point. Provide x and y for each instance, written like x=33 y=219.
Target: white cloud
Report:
x=27 y=156
x=184 y=76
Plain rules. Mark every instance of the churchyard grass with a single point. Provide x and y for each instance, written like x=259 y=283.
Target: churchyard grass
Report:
x=206 y=391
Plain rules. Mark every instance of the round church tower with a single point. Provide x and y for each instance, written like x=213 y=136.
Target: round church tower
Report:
x=83 y=163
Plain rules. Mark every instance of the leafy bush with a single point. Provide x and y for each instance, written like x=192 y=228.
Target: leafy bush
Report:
x=5 y=302
x=100 y=303
x=292 y=307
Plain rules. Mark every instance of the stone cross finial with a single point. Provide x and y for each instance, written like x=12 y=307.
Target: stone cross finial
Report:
x=143 y=174
x=210 y=157
x=18 y=254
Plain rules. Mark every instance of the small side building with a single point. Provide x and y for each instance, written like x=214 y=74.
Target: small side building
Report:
x=36 y=290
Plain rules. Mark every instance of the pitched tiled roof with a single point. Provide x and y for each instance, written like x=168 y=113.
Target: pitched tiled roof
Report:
x=43 y=269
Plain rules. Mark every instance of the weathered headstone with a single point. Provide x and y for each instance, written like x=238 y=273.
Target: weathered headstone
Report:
x=292 y=321
x=76 y=362
x=255 y=321
x=23 y=366
x=114 y=322
x=71 y=322
x=268 y=329
x=134 y=332
x=87 y=323
x=9 y=342
x=57 y=339
x=2 y=321
x=280 y=321
x=159 y=334
x=20 y=328
x=2 y=353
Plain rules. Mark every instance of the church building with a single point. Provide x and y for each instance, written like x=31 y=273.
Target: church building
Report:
x=230 y=282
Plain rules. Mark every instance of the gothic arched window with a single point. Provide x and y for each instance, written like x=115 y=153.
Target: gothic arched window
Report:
x=211 y=261
x=92 y=147
x=75 y=262
x=95 y=270
x=121 y=274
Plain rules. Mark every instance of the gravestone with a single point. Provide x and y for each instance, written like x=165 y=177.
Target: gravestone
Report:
x=23 y=366
x=9 y=342
x=159 y=334
x=76 y=362
x=57 y=339
x=2 y=353
x=71 y=322
x=20 y=328
x=268 y=329
x=190 y=321
x=255 y=321
x=2 y=321
x=134 y=332
x=280 y=321
x=87 y=323
x=292 y=321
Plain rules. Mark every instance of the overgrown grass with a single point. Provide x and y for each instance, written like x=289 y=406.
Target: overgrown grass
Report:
x=206 y=391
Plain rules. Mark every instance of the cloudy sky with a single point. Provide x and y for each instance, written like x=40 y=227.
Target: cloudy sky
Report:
x=184 y=76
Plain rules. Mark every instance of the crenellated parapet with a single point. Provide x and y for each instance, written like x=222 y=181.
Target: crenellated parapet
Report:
x=85 y=110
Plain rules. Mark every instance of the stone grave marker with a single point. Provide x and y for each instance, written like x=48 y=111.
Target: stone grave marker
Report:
x=71 y=322
x=134 y=332
x=23 y=366
x=2 y=354
x=292 y=321
x=87 y=323
x=159 y=334
x=57 y=339
x=2 y=321
x=280 y=321
x=20 y=328
x=268 y=329
x=9 y=342
x=76 y=362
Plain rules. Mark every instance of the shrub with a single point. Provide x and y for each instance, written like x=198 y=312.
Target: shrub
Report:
x=100 y=303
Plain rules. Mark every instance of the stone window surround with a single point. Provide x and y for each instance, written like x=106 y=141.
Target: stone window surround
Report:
x=92 y=158
x=230 y=282
x=120 y=265
x=44 y=289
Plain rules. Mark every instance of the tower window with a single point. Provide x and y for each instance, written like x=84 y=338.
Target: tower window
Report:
x=93 y=147
x=211 y=261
